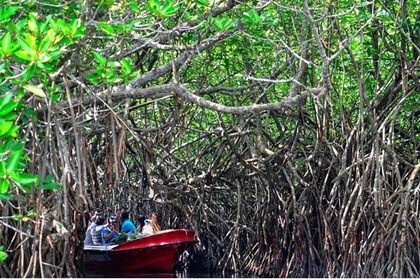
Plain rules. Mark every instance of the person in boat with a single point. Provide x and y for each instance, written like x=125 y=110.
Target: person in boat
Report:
x=127 y=225
x=140 y=221
x=147 y=229
x=88 y=234
x=118 y=214
x=110 y=231
x=145 y=225
x=155 y=224
x=96 y=232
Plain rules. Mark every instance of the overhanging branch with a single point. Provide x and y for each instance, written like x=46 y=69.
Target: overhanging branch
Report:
x=172 y=89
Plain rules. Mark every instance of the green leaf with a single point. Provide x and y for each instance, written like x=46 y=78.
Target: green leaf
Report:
x=5 y=99
x=134 y=6
x=32 y=24
x=5 y=127
x=222 y=24
x=10 y=117
x=29 y=56
x=25 y=178
x=13 y=162
x=31 y=213
x=99 y=58
x=35 y=90
x=203 y=2
x=10 y=11
x=26 y=46
x=74 y=25
x=107 y=29
x=5 y=196
x=126 y=66
x=2 y=67
x=93 y=78
x=17 y=217
x=47 y=41
x=7 y=44
x=3 y=255
x=154 y=7
x=7 y=108
x=16 y=146
x=251 y=17
x=169 y=9
x=12 y=132
x=4 y=186
x=29 y=72
x=51 y=186
x=2 y=166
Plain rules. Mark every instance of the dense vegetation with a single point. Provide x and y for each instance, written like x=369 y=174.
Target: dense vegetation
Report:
x=286 y=133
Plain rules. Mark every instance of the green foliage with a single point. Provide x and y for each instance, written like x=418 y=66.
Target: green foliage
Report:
x=35 y=42
x=252 y=18
x=3 y=255
x=162 y=10
x=223 y=24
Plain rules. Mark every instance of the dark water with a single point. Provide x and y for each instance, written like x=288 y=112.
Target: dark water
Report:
x=179 y=274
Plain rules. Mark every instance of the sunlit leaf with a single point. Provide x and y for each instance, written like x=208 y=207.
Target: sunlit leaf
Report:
x=107 y=29
x=13 y=161
x=35 y=90
x=25 y=55
x=32 y=24
x=99 y=58
x=31 y=213
x=7 y=108
x=47 y=41
x=17 y=217
x=7 y=45
x=24 y=45
x=5 y=127
x=3 y=255
x=4 y=186
x=25 y=178
x=10 y=11
x=5 y=99
x=12 y=131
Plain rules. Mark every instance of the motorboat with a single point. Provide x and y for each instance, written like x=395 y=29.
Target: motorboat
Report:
x=155 y=253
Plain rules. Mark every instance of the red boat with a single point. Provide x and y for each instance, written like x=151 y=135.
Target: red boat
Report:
x=154 y=253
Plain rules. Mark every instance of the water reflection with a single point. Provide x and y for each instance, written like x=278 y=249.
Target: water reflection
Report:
x=178 y=274
x=130 y=275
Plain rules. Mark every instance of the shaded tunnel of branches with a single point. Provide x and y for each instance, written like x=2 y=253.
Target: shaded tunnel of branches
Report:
x=313 y=188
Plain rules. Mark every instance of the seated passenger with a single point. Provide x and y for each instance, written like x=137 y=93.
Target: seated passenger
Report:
x=120 y=210
x=88 y=234
x=127 y=225
x=145 y=225
x=147 y=228
x=96 y=231
x=155 y=224
x=110 y=232
x=140 y=220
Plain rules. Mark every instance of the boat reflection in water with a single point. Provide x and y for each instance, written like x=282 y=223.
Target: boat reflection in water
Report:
x=149 y=256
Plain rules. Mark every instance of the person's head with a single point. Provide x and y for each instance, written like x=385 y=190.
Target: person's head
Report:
x=141 y=219
x=153 y=217
x=112 y=221
x=100 y=220
x=124 y=216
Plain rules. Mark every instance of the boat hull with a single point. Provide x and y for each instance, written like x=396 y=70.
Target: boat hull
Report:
x=155 y=253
